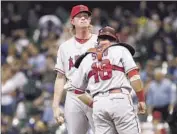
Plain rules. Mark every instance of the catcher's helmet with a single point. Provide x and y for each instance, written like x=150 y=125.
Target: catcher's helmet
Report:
x=111 y=34
x=108 y=33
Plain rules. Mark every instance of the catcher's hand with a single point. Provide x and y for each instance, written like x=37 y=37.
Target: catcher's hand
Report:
x=58 y=115
x=141 y=108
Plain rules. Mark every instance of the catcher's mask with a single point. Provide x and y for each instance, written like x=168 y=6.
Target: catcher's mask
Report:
x=108 y=33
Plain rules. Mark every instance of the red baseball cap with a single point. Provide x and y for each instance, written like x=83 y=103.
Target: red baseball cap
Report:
x=78 y=9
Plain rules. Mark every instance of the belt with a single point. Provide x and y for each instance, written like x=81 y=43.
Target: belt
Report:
x=112 y=91
x=76 y=91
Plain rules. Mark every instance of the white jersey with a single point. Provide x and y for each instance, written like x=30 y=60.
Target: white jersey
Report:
x=67 y=54
x=99 y=77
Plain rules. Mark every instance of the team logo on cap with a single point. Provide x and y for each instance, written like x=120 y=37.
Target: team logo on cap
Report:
x=82 y=8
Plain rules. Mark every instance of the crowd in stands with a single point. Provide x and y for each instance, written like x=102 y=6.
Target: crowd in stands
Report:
x=29 y=44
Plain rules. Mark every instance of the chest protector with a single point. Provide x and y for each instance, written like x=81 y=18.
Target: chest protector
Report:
x=98 y=51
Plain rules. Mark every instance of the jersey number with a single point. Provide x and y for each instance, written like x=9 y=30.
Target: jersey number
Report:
x=102 y=71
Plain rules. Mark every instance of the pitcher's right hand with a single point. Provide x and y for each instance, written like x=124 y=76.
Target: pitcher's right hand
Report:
x=58 y=115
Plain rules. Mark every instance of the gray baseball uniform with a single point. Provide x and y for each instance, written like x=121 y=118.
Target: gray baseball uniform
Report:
x=77 y=114
x=112 y=113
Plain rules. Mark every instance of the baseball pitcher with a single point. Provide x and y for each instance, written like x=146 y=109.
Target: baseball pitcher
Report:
x=76 y=113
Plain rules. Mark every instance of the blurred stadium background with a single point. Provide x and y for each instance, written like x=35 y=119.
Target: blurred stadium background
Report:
x=31 y=33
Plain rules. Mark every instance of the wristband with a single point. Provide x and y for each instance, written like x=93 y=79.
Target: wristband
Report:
x=140 y=95
x=135 y=77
